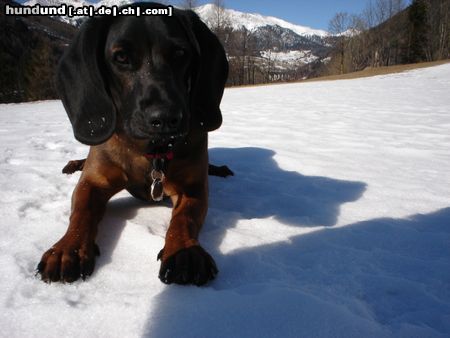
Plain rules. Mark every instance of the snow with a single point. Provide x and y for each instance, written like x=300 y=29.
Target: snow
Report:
x=289 y=58
x=252 y=21
x=336 y=223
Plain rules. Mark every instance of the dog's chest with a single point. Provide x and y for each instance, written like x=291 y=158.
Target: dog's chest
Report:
x=147 y=182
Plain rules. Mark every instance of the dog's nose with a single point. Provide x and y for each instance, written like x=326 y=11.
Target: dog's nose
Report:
x=160 y=122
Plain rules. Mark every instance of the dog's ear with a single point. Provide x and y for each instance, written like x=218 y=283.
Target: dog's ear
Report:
x=80 y=81
x=210 y=73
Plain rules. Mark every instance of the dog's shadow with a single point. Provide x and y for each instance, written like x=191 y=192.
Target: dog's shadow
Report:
x=261 y=189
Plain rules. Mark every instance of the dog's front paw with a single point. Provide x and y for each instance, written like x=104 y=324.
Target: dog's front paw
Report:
x=67 y=263
x=191 y=265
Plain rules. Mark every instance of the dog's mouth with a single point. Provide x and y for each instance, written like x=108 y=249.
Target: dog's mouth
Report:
x=162 y=147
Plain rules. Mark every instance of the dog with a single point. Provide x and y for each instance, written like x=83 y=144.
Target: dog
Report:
x=143 y=93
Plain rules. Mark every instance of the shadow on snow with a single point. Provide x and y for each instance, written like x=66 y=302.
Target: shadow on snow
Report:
x=372 y=277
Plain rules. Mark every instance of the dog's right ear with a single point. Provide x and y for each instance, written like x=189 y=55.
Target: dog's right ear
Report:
x=210 y=72
x=81 y=85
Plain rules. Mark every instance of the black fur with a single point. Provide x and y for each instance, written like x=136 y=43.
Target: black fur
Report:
x=182 y=94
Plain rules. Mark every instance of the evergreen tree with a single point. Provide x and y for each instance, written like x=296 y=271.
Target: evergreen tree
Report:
x=418 y=18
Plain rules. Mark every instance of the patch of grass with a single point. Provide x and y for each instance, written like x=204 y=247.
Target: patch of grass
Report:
x=368 y=72
x=379 y=71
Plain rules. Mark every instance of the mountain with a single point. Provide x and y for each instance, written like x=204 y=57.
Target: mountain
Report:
x=264 y=48
x=253 y=21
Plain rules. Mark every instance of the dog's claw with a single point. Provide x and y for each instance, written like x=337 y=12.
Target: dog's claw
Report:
x=160 y=254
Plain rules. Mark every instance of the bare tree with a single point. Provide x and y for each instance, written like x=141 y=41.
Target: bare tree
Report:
x=339 y=26
x=439 y=33
x=242 y=47
x=220 y=23
x=357 y=44
x=384 y=36
x=378 y=11
x=188 y=4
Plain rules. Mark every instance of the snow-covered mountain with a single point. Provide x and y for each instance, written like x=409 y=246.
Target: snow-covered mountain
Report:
x=252 y=21
x=236 y=19
x=284 y=44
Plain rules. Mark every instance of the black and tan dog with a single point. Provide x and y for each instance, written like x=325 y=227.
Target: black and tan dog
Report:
x=143 y=92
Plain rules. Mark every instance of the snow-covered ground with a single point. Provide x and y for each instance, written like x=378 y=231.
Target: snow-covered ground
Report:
x=337 y=222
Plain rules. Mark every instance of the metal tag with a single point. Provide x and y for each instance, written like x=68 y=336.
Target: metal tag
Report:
x=156 y=189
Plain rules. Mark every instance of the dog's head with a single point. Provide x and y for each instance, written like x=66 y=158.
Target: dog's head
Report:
x=151 y=77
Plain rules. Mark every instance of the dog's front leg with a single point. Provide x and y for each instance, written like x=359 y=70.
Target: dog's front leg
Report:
x=73 y=256
x=184 y=261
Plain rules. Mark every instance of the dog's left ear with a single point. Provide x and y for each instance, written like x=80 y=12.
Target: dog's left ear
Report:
x=82 y=87
x=210 y=73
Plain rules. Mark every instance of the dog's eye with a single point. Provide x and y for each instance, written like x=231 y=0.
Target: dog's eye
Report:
x=121 y=57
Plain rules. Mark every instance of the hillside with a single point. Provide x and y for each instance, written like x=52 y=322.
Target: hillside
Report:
x=30 y=48
x=336 y=222
x=418 y=33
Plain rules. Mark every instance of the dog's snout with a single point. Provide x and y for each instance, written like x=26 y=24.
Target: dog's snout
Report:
x=153 y=94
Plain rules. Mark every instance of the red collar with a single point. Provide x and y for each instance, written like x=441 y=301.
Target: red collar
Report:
x=165 y=156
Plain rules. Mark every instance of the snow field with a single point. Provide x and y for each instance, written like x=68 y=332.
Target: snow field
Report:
x=337 y=222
